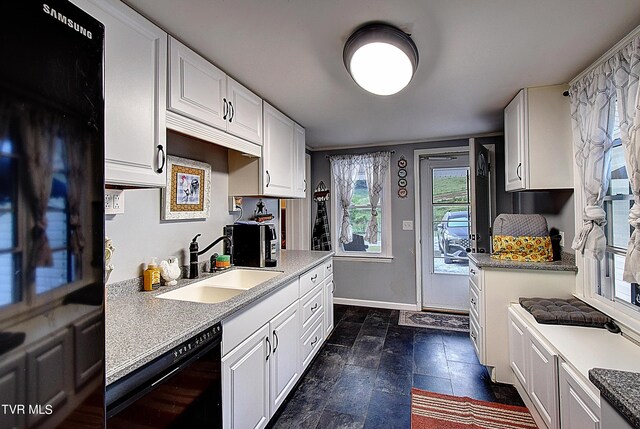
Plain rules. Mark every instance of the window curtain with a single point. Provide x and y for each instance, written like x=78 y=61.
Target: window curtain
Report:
x=75 y=143
x=626 y=74
x=590 y=111
x=38 y=133
x=345 y=170
x=375 y=167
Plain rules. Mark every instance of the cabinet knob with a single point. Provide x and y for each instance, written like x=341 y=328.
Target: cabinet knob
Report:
x=313 y=279
x=225 y=108
x=268 y=347
x=232 y=111
x=472 y=271
x=268 y=179
x=315 y=340
x=518 y=171
x=275 y=341
x=315 y=307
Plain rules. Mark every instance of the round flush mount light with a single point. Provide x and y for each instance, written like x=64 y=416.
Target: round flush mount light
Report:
x=380 y=58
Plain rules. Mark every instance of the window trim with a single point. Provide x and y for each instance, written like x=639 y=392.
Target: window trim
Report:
x=386 y=253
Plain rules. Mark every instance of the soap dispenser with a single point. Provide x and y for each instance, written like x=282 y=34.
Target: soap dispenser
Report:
x=151 y=276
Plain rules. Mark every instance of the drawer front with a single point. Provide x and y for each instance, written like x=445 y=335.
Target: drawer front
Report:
x=328 y=268
x=311 y=279
x=312 y=305
x=475 y=333
x=474 y=301
x=311 y=342
x=475 y=274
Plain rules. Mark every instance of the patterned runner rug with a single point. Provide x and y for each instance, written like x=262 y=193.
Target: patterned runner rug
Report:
x=436 y=411
x=433 y=320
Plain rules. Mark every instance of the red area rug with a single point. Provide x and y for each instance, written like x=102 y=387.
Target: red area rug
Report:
x=436 y=411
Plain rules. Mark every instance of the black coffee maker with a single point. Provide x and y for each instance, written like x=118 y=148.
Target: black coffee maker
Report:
x=252 y=244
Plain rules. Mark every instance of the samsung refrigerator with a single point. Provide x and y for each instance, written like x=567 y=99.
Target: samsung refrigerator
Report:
x=51 y=216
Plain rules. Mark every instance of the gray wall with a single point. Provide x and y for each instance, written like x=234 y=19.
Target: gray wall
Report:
x=392 y=282
x=556 y=206
x=139 y=234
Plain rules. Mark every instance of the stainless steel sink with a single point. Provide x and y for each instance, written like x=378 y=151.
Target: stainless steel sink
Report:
x=221 y=287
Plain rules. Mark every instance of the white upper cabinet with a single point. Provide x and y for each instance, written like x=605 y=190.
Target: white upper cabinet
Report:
x=135 y=95
x=538 y=145
x=299 y=170
x=202 y=92
x=278 y=153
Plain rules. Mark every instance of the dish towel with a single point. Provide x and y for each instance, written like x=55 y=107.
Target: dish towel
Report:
x=321 y=233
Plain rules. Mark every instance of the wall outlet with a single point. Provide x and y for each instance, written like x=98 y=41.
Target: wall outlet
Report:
x=407 y=225
x=235 y=204
x=113 y=201
x=561 y=238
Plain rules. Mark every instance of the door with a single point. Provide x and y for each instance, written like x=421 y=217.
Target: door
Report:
x=245 y=112
x=543 y=384
x=277 y=153
x=245 y=383
x=285 y=366
x=481 y=215
x=444 y=206
x=514 y=141
x=578 y=408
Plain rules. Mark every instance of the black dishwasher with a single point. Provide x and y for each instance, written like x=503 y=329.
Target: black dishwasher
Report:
x=180 y=389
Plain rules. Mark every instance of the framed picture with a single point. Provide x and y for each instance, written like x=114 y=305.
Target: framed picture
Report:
x=188 y=191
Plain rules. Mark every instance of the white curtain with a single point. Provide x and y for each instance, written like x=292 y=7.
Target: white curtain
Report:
x=375 y=167
x=345 y=170
x=591 y=109
x=626 y=74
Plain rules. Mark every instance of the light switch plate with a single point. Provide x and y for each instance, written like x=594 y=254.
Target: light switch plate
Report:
x=407 y=225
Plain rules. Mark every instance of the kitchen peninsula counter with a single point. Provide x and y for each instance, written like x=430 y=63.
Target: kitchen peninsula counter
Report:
x=140 y=327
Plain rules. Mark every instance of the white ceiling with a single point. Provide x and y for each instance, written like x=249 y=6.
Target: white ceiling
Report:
x=474 y=56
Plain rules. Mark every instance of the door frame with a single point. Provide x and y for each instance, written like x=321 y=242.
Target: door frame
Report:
x=418 y=204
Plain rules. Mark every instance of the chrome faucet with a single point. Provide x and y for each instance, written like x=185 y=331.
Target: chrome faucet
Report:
x=194 y=252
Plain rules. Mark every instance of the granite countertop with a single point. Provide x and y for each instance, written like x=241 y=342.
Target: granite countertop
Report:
x=140 y=327
x=484 y=260
x=621 y=389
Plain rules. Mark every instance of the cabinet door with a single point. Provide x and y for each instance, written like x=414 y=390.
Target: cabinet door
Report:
x=543 y=380
x=197 y=88
x=578 y=408
x=299 y=173
x=329 y=288
x=49 y=373
x=517 y=349
x=277 y=153
x=514 y=142
x=135 y=94
x=285 y=365
x=88 y=349
x=12 y=391
x=245 y=112
x=245 y=383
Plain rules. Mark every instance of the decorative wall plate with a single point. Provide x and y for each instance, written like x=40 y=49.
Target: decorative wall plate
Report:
x=402 y=163
x=402 y=183
x=402 y=173
x=402 y=193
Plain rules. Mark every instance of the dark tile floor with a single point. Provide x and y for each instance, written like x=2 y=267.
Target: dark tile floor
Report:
x=363 y=375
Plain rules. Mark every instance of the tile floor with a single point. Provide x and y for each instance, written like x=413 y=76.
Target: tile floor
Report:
x=363 y=375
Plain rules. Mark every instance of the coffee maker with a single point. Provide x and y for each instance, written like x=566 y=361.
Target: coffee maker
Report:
x=252 y=244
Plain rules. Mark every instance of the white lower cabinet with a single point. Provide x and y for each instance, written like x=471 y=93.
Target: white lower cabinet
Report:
x=517 y=349
x=285 y=366
x=266 y=347
x=543 y=376
x=329 y=289
x=245 y=383
x=12 y=390
x=580 y=409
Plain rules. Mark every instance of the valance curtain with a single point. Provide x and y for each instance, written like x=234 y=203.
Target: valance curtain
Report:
x=345 y=169
x=375 y=167
x=591 y=111
x=626 y=73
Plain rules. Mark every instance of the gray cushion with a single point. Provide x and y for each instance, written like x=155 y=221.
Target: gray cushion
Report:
x=554 y=311
x=521 y=225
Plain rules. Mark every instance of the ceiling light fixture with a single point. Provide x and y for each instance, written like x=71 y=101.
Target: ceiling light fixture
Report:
x=381 y=58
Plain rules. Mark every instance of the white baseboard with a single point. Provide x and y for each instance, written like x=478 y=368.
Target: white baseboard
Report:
x=375 y=304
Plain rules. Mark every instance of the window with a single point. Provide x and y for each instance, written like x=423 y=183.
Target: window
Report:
x=617 y=203
x=360 y=215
